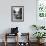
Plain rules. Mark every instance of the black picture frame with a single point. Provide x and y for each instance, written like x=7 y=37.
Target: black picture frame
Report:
x=17 y=13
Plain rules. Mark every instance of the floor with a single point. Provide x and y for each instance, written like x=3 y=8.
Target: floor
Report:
x=13 y=44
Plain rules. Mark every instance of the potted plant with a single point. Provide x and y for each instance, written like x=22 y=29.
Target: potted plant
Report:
x=39 y=35
x=38 y=27
x=35 y=26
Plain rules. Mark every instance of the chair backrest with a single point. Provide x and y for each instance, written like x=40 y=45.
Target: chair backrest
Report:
x=24 y=37
x=14 y=30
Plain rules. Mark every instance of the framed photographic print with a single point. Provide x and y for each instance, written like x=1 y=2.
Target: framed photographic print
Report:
x=17 y=13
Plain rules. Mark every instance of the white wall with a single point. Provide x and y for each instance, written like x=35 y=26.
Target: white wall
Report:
x=29 y=15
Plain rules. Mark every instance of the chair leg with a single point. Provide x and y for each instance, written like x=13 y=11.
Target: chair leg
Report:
x=5 y=39
x=5 y=43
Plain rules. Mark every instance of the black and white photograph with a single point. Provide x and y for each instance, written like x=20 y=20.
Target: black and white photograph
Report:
x=17 y=13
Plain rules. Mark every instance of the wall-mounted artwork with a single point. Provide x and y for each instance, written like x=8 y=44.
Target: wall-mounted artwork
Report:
x=41 y=12
x=41 y=8
x=17 y=13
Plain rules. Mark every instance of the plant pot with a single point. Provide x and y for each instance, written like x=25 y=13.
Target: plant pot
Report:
x=40 y=41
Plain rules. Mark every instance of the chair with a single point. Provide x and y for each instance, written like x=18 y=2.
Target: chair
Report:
x=7 y=35
x=14 y=32
x=25 y=37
